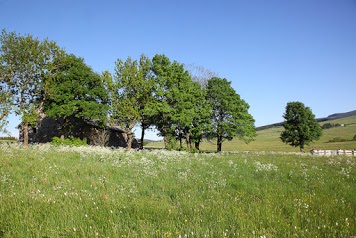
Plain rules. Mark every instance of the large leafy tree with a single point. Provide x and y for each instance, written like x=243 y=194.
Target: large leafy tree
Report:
x=161 y=110
x=76 y=93
x=300 y=126
x=131 y=95
x=26 y=63
x=229 y=113
x=176 y=96
x=201 y=121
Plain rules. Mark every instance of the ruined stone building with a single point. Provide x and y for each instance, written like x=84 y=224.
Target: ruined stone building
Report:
x=47 y=128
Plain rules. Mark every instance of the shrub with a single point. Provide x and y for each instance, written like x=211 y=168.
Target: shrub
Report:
x=71 y=141
x=330 y=125
x=172 y=143
x=338 y=139
x=327 y=126
x=354 y=137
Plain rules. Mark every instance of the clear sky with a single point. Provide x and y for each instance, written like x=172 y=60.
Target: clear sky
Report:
x=273 y=51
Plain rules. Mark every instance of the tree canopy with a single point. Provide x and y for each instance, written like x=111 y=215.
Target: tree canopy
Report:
x=229 y=113
x=131 y=94
x=177 y=101
x=75 y=91
x=26 y=63
x=300 y=126
x=39 y=78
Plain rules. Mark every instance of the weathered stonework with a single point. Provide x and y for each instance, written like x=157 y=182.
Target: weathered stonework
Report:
x=47 y=128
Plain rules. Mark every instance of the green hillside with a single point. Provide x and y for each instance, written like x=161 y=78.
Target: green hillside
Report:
x=268 y=140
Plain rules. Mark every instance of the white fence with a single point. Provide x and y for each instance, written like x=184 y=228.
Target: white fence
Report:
x=333 y=152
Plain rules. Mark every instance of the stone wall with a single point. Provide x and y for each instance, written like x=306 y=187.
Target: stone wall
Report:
x=47 y=128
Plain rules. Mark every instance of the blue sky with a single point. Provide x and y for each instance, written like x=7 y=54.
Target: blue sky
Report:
x=273 y=51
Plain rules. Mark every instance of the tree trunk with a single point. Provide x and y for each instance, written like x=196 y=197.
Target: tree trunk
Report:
x=4 y=114
x=187 y=138
x=301 y=149
x=142 y=137
x=25 y=133
x=197 y=144
x=219 y=144
x=166 y=141
x=129 y=140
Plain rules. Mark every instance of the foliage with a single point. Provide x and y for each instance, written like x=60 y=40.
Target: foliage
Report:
x=26 y=63
x=164 y=107
x=172 y=143
x=71 y=141
x=331 y=125
x=75 y=91
x=131 y=95
x=338 y=139
x=300 y=126
x=101 y=192
x=179 y=107
x=5 y=101
x=201 y=122
x=229 y=115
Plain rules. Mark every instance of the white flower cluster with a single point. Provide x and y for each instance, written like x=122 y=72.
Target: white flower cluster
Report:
x=265 y=167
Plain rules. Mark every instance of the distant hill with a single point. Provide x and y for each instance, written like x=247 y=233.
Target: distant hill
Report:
x=341 y=115
x=328 y=118
x=146 y=141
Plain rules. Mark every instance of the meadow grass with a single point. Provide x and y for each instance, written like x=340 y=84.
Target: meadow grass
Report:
x=48 y=191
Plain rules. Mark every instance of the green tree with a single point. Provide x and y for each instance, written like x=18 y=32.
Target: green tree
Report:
x=5 y=104
x=176 y=96
x=229 y=114
x=201 y=121
x=300 y=126
x=160 y=109
x=131 y=95
x=26 y=63
x=76 y=93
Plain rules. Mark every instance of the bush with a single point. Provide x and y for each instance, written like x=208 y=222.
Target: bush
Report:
x=172 y=143
x=71 y=141
x=354 y=137
x=338 y=139
x=330 y=125
x=327 y=126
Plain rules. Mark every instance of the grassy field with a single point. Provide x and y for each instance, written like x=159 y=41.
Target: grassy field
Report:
x=268 y=140
x=48 y=191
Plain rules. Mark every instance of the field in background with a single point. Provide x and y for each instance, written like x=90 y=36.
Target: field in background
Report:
x=268 y=140
x=48 y=191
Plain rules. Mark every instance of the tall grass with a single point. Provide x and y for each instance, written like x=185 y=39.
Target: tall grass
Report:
x=48 y=191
